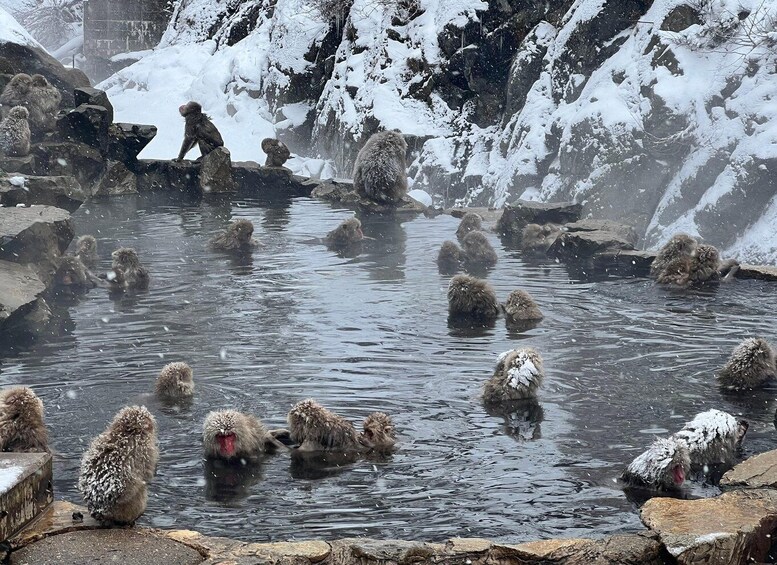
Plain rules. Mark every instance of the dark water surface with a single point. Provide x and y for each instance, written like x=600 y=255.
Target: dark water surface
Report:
x=624 y=361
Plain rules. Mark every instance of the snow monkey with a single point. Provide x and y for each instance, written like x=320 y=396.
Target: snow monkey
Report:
x=71 y=273
x=230 y=435
x=175 y=381
x=449 y=258
x=127 y=272
x=520 y=306
x=199 y=129
x=751 y=365
x=471 y=299
x=517 y=376
x=478 y=252
x=16 y=93
x=276 y=151
x=314 y=428
x=15 y=133
x=348 y=233
x=117 y=467
x=44 y=104
x=679 y=247
x=380 y=172
x=237 y=237
x=469 y=222
x=539 y=238
x=22 y=428
x=86 y=250
x=663 y=466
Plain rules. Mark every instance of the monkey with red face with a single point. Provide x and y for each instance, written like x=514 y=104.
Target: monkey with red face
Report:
x=199 y=129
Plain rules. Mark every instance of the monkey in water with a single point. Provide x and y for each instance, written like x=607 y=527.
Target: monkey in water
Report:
x=539 y=238
x=478 y=252
x=314 y=428
x=15 y=133
x=86 y=250
x=126 y=270
x=517 y=376
x=237 y=237
x=22 y=428
x=199 y=129
x=712 y=438
x=469 y=222
x=449 y=258
x=679 y=248
x=347 y=234
x=380 y=172
x=175 y=381
x=232 y=435
x=72 y=274
x=471 y=299
x=276 y=151
x=119 y=464
x=751 y=365
x=663 y=466
x=520 y=306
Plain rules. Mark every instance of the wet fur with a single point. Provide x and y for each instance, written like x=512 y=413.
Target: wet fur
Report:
x=72 y=273
x=86 y=250
x=175 y=380
x=276 y=151
x=506 y=386
x=653 y=468
x=237 y=237
x=539 y=238
x=252 y=439
x=680 y=246
x=521 y=306
x=472 y=299
x=348 y=233
x=751 y=365
x=449 y=258
x=478 y=251
x=469 y=222
x=127 y=270
x=380 y=173
x=15 y=133
x=22 y=426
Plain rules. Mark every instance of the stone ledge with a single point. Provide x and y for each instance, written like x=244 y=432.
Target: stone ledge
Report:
x=25 y=489
x=757 y=472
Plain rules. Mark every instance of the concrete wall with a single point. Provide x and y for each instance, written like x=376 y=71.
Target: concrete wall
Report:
x=120 y=26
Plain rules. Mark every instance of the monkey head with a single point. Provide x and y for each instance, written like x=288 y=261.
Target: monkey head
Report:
x=352 y=230
x=268 y=144
x=707 y=255
x=680 y=244
x=40 y=81
x=242 y=230
x=125 y=258
x=70 y=272
x=135 y=421
x=176 y=380
x=470 y=222
x=664 y=465
x=225 y=434
x=86 y=244
x=20 y=403
x=21 y=82
x=19 y=113
x=190 y=108
x=378 y=432
x=475 y=242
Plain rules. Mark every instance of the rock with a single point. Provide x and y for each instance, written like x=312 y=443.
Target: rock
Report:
x=216 y=172
x=126 y=141
x=270 y=181
x=623 y=231
x=87 y=124
x=60 y=191
x=584 y=245
x=37 y=235
x=93 y=97
x=155 y=174
x=625 y=263
x=517 y=215
x=117 y=179
x=406 y=205
x=681 y=17
x=377 y=551
x=24 y=165
x=25 y=490
x=69 y=159
x=58 y=518
x=734 y=528
x=20 y=288
x=333 y=189
x=759 y=272
x=757 y=472
x=468 y=545
x=615 y=550
x=286 y=552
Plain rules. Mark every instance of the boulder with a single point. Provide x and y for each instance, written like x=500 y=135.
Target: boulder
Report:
x=24 y=165
x=583 y=245
x=216 y=172
x=626 y=263
x=637 y=549
x=70 y=159
x=155 y=174
x=60 y=191
x=333 y=189
x=126 y=141
x=758 y=272
x=117 y=179
x=20 y=288
x=517 y=215
x=734 y=528
x=624 y=231
x=93 y=97
x=87 y=124
x=253 y=179
x=757 y=472
x=357 y=550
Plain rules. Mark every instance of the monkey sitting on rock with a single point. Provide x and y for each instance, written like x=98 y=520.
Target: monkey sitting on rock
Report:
x=126 y=271
x=237 y=237
x=198 y=130
x=517 y=376
x=15 y=133
x=232 y=435
x=379 y=173
x=277 y=152
x=35 y=93
x=175 y=382
x=471 y=300
x=751 y=365
x=119 y=464
x=314 y=428
x=22 y=428
x=684 y=262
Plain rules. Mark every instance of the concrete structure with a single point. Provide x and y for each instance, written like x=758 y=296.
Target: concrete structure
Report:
x=25 y=489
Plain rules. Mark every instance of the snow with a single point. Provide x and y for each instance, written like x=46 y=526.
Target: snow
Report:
x=18 y=181
x=9 y=475
x=12 y=32
x=523 y=375
x=421 y=196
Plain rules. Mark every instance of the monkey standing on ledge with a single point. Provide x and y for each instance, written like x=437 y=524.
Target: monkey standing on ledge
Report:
x=199 y=129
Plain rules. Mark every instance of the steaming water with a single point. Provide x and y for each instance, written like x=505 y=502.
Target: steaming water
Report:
x=624 y=360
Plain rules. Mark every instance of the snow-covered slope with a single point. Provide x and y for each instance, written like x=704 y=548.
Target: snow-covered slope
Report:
x=655 y=113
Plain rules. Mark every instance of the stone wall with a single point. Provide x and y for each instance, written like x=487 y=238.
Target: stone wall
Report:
x=112 y=27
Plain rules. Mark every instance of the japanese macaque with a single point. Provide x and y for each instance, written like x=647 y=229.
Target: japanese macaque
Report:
x=276 y=151
x=751 y=365
x=43 y=104
x=15 y=133
x=86 y=250
x=72 y=274
x=16 y=93
x=449 y=258
x=347 y=234
x=199 y=130
x=520 y=306
x=712 y=438
x=237 y=237
x=539 y=238
x=175 y=381
x=117 y=467
x=472 y=299
x=127 y=272
x=314 y=428
x=469 y=222
x=478 y=252
x=232 y=435
x=676 y=272
x=380 y=172
x=22 y=428
x=517 y=376
x=663 y=466
x=680 y=246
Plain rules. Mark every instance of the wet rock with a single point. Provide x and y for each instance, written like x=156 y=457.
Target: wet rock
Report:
x=623 y=231
x=757 y=472
x=24 y=165
x=625 y=263
x=126 y=141
x=216 y=172
x=93 y=97
x=364 y=551
x=25 y=491
x=253 y=179
x=167 y=175
x=286 y=552
x=522 y=212
x=69 y=159
x=615 y=550
x=468 y=545
x=20 y=288
x=734 y=528
x=60 y=191
x=58 y=518
x=333 y=190
x=584 y=245
x=87 y=124
x=406 y=205
x=680 y=18
x=117 y=179
x=759 y=272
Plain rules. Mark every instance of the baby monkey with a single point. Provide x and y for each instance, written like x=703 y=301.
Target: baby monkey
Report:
x=175 y=381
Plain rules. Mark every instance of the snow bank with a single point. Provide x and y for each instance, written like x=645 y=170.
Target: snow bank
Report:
x=12 y=32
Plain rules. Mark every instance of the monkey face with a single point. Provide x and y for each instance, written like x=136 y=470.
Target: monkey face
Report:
x=67 y=277
x=243 y=231
x=125 y=258
x=40 y=81
x=190 y=108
